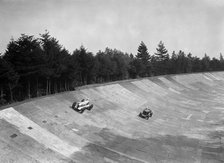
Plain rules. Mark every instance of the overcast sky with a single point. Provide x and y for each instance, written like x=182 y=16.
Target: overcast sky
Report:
x=195 y=26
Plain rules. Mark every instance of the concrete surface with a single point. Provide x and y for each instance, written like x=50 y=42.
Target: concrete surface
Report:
x=187 y=124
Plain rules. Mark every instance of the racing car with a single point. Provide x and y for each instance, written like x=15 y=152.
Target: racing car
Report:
x=82 y=106
x=146 y=113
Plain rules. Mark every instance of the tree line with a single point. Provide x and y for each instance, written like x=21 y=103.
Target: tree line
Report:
x=32 y=67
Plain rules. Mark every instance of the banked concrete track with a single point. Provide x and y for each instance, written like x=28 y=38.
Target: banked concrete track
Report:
x=187 y=125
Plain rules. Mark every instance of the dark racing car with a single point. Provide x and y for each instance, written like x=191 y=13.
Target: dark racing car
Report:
x=146 y=113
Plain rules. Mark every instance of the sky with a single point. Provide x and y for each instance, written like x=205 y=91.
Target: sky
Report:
x=195 y=26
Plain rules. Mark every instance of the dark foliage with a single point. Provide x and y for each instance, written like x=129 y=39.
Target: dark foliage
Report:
x=32 y=67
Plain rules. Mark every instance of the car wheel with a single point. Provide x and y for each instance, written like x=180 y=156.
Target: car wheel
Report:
x=73 y=105
x=91 y=106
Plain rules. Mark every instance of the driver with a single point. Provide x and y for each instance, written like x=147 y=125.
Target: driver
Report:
x=84 y=102
x=146 y=111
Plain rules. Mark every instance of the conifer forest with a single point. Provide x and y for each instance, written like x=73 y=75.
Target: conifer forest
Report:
x=33 y=67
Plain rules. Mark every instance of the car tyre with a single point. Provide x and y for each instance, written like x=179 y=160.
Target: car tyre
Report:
x=90 y=107
x=73 y=105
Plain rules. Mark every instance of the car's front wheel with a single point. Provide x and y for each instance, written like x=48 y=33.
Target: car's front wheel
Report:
x=90 y=107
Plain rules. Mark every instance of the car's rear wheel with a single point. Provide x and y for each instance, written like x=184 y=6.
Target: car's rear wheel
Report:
x=73 y=105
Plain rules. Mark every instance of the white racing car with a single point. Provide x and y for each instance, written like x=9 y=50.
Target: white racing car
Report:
x=82 y=106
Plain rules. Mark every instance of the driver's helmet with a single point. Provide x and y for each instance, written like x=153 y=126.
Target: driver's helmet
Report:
x=146 y=111
x=84 y=100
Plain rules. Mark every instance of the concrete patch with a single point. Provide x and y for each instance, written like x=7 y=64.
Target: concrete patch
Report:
x=207 y=78
x=37 y=133
x=196 y=136
x=219 y=108
x=74 y=129
x=205 y=111
x=171 y=89
x=188 y=117
x=109 y=160
x=215 y=77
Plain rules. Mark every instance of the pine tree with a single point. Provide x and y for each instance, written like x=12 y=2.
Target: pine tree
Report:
x=161 y=59
x=8 y=78
x=189 y=63
x=86 y=63
x=143 y=64
x=205 y=63
x=221 y=61
x=215 y=64
x=25 y=56
x=143 y=53
x=53 y=59
x=162 y=53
